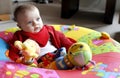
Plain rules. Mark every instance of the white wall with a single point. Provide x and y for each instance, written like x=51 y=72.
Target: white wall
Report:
x=5 y=6
x=22 y=0
x=96 y=5
x=118 y=5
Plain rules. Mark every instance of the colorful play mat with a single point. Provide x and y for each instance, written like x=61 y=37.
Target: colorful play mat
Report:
x=106 y=54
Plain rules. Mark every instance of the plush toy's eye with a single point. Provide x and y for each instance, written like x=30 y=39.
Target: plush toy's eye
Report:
x=81 y=46
x=73 y=46
x=70 y=53
x=69 y=29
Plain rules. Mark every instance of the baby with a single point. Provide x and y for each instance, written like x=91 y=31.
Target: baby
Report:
x=29 y=21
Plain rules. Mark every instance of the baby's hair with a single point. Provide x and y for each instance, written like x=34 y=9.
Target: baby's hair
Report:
x=23 y=9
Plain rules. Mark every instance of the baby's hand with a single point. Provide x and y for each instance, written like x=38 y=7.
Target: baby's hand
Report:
x=20 y=60
x=25 y=60
x=25 y=54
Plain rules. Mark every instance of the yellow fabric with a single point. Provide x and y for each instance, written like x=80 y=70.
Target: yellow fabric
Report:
x=93 y=38
x=75 y=34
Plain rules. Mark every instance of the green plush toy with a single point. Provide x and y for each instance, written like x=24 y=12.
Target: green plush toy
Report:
x=79 y=54
x=78 y=57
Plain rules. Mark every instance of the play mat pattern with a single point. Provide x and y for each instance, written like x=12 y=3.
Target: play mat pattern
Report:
x=106 y=54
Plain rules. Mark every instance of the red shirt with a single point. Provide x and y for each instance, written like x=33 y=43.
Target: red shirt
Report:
x=57 y=38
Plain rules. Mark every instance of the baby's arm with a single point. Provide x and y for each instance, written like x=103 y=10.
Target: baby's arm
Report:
x=65 y=41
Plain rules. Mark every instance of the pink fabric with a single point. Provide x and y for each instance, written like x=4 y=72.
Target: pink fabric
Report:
x=107 y=66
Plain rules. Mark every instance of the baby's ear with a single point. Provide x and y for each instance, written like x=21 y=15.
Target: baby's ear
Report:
x=18 y=25
x=14 y=19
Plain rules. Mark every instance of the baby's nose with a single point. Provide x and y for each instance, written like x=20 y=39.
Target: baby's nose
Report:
x=35 y=23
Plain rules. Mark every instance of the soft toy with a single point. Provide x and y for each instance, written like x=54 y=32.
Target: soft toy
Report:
x=105 y=35
x=29 y=49
x=46 y=60
x=79 y=55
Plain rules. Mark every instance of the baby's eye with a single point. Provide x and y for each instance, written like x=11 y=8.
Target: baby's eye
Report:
x=38 y=19
x=29 y=22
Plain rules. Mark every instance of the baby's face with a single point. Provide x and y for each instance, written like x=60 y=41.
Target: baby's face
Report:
x=30 y=21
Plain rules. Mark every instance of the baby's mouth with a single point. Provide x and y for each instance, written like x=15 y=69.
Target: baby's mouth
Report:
x=36 y=29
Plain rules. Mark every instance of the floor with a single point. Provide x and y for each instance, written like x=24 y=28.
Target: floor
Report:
x=50 y=14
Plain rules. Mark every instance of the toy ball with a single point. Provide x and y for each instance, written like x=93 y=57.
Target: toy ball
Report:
x=80 y=54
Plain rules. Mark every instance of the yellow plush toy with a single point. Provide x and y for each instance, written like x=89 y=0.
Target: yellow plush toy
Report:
x=29 y=49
